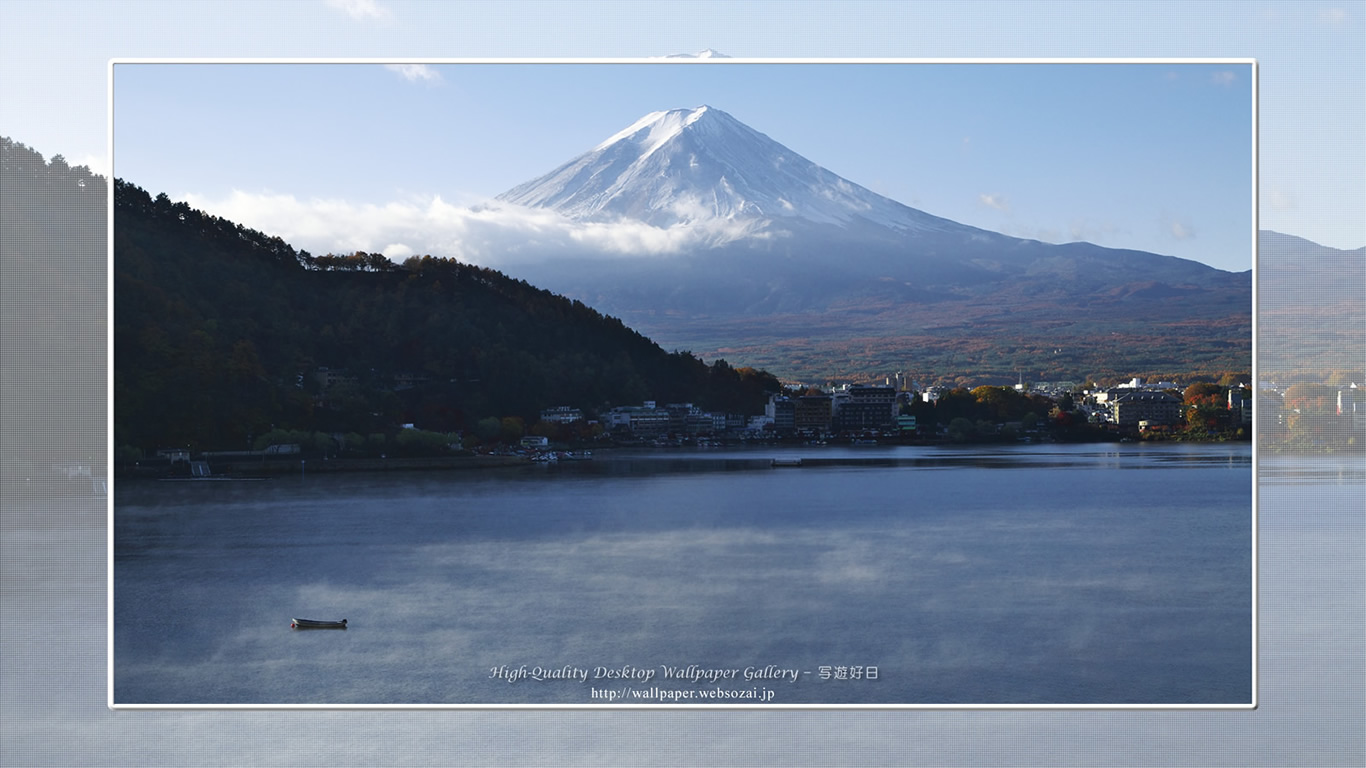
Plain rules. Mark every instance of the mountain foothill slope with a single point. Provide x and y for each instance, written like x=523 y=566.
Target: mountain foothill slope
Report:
x=813 y=276
x=1311 y=307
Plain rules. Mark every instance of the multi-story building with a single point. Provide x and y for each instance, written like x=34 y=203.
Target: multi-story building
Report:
x=783 y=412
x=865 y=407
x=718 y=423
x=736 y=422
x=562 y=415
x=1240 y=405
x=1351 y=401
x=688 y=419
x=812 y=413
x=1352 y=407
x=1109 y=395
x=642 y=421
x=327 y=378
x=1145 y=405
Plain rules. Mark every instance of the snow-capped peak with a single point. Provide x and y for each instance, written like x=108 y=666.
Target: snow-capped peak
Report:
x=687 y=166
x=656 y=128
x=708 y=53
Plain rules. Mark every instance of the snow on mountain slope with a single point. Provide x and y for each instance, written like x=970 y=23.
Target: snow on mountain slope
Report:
x=773 y=255
x=691 y=166
x=708 y=53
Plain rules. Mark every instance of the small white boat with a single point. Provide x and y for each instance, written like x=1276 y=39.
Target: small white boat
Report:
x=311 y=624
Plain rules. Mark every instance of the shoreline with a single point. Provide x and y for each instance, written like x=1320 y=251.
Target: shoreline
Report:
x=244 y=468
x=250 y=469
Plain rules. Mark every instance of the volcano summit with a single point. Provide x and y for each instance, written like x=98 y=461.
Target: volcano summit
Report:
x=799 y=270
x=686 y=166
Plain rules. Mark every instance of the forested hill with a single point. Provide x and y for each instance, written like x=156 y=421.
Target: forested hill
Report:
x=54 y=249
x=222 y=333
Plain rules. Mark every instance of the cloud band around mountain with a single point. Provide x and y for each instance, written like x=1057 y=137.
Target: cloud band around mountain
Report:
x=491 y=234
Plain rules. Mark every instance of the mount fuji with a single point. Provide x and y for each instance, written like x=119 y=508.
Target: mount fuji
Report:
x=688 y=166
x=791 y=266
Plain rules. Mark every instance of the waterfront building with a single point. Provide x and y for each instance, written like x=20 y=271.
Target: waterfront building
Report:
x=1156 y=408
x=782 y=411
x=865 y=407
x=642 y=421
x=1240 y=405
x=561 y=415
x=812 y=413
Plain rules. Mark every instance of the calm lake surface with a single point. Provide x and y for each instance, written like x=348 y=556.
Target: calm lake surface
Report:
x=1034 y=574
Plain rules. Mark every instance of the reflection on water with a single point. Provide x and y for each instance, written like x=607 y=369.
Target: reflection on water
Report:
x=1039 y=574
x=1312 y=469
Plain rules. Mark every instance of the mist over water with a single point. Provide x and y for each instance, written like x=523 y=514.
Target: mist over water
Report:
x=1042 y=574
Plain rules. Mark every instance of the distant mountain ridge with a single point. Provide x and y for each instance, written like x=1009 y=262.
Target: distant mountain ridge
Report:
x=794 y=248
x=1311 y=308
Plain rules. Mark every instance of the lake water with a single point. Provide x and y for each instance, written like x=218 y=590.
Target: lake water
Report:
x=1041 y=574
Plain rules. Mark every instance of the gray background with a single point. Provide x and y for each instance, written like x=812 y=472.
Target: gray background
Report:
x=53 y=595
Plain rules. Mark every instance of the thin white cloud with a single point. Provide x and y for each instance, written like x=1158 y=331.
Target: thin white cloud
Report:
x=490 y=234
x=360 y=9
x=97 y=163
x=415 y=72
x=1178 y=228
x=1333 y=16
x=396 y=251
x=994 y=201
x=1224 y=78
x=1279 y=199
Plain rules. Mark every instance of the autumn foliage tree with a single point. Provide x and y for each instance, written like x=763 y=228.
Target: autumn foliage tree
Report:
x=1311 y=413
x=1205 y=406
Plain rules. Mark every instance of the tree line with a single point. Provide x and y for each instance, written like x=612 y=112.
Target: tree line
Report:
x=220 y=332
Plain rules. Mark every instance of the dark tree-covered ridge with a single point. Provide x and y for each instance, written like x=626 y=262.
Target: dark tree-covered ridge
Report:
x=54 y=251
x=222 y=333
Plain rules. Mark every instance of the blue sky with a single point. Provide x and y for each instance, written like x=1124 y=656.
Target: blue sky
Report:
x=1312 y=75
x=1155 y=156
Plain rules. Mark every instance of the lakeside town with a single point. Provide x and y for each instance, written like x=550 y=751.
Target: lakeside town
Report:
x=896 y=411
x=360 y=362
